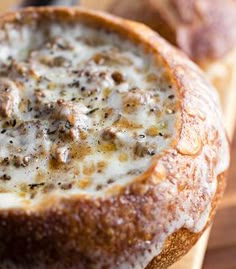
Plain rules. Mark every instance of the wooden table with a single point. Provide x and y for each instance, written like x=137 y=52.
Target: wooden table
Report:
x=221 y=250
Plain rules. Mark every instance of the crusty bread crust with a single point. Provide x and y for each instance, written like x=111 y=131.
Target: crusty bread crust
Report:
x=181 y=241
x=68 y=232
x=175 y=247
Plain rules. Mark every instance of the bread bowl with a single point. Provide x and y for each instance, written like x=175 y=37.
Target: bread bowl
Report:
x=203 y=30
x=113 y=152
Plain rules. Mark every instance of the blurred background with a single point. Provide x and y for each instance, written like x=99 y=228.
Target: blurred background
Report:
x=221 y=249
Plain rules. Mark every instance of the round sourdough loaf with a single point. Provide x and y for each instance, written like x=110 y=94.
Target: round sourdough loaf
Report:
x=204 y=31
x=113 y=153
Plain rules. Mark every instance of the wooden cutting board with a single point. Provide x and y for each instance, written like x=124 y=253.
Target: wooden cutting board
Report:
x=194 y=259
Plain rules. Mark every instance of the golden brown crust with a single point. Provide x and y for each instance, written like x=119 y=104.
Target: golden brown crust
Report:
x=76 y=232
x=205 y=31
x=181 y=241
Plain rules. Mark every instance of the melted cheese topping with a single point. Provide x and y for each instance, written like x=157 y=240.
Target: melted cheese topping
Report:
x=80 y=110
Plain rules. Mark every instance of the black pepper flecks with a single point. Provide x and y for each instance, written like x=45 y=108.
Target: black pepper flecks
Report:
x=36 y=185
x=5 y=177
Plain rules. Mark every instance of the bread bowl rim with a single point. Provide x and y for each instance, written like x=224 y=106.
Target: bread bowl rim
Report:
x=136 y=33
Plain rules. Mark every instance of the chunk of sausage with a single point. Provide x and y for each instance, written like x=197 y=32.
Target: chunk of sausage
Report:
x=132 y=100
x=73 y=113
x=61 y=154
x=9 y=98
